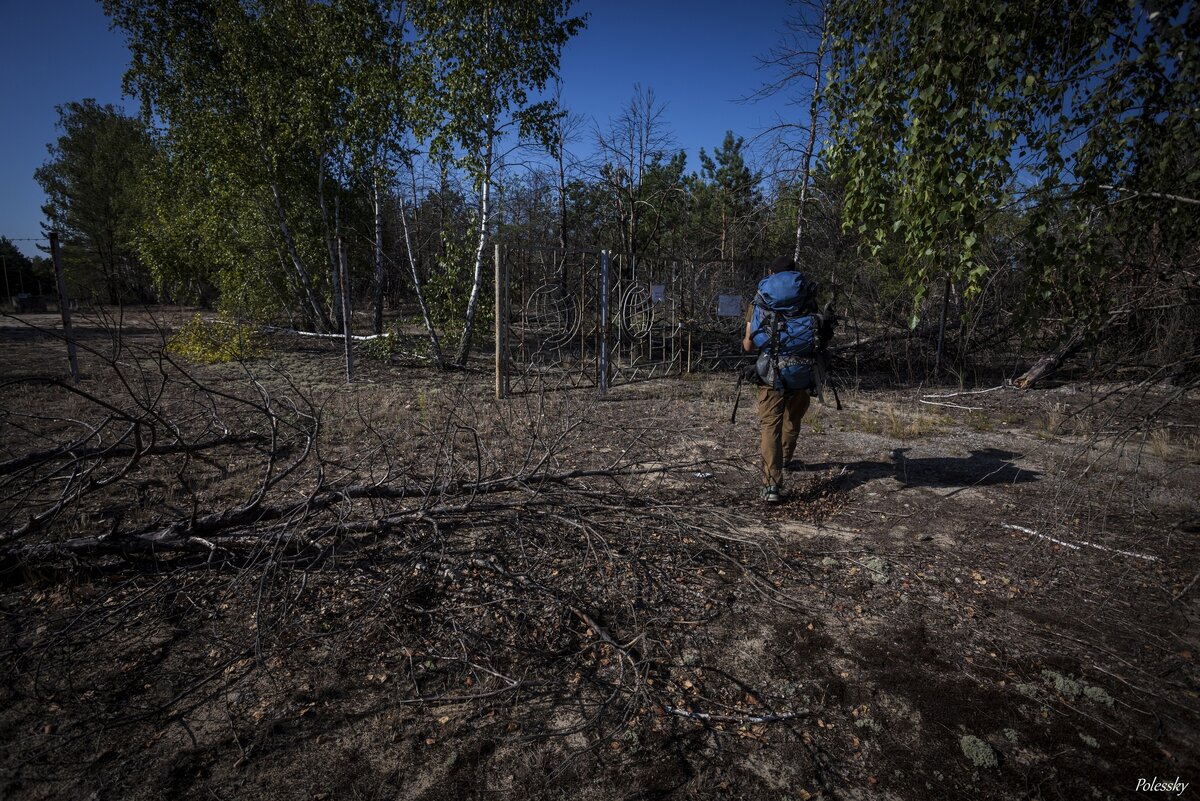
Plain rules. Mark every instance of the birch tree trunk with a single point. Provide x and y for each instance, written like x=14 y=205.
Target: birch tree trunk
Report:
x=378 y=254
x=434 y=343
x=330 y=243
x=317 y=308
x=464 y=345
x=336 y=287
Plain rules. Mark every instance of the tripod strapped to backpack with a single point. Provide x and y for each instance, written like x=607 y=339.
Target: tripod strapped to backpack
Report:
x=829 y=321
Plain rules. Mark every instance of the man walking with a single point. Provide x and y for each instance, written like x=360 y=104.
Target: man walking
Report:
x=781 y=326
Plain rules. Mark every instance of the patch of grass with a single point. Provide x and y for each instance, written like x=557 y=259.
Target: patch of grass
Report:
x=900 y=426
x=1053 y=419
x=894 y=423
x=979 y=421
x=1166 y=447
x=1191 y=450
x=714 y=390
x=866 y=422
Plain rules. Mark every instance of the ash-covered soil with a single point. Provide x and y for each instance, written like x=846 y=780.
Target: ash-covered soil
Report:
x=257 y=582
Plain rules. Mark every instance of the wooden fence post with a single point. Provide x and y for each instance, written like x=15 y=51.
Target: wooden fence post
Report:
x=64 y=305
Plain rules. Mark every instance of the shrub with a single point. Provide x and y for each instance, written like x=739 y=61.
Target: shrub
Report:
x=381 y=348
x=214 y=342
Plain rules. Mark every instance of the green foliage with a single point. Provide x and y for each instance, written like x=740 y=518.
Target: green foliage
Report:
x=944 y=117
x=21 y=273
x=93 y=184
x=271 y=109
x=215 y=342
x=476 y=62
x=647 y=197
x=448 y=287
x=381 y=348
x=726 y=202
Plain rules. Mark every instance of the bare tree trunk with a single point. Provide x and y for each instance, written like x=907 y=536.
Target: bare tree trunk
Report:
x=336 y=276
x=562 y=195
x=562 y=208
x=937 y=361
x=814 y=109
x=464 y=345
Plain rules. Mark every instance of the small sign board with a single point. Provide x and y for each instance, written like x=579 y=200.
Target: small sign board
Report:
x=729 y=305
x=658 y=293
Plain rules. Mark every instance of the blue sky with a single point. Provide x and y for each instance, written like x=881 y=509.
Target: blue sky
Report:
x=699 y=57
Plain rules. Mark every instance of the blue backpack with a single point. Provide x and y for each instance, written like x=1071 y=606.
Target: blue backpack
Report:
x=784 y=330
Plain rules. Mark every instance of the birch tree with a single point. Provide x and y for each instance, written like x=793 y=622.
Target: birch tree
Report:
x=483 y=61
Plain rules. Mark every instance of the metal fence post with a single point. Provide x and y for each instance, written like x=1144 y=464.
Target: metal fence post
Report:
x=64 y=305
x=602 y=359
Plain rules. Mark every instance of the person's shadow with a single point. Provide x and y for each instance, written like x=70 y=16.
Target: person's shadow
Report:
x=982 y=468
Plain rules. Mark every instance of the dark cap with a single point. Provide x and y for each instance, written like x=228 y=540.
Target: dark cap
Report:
x=783 y=264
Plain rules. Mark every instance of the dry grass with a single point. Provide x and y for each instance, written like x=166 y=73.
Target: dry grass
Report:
x=1160 y=443
x=980 y=421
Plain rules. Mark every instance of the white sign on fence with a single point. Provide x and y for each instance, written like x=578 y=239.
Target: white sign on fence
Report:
x=729 y=305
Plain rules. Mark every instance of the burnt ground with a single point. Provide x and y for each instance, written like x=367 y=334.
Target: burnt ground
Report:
x=430 y=594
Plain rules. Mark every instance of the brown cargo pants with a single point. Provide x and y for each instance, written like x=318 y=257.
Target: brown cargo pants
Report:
x=779 y=414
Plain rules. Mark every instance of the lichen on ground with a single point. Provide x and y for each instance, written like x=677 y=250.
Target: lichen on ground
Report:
x=878 y=570
x=1099 y=695
x=1065 y=685
x=869 y=723
x=979 y=752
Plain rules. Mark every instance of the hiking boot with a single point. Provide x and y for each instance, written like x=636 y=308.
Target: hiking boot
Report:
x=772 y=494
